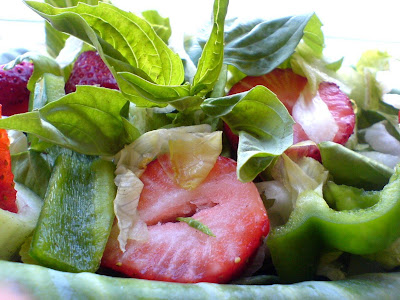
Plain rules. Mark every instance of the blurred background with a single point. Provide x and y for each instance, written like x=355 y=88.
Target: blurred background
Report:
x=350 y=27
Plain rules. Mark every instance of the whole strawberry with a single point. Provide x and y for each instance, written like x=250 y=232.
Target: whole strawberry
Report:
x=14 y=94
x=89 y=69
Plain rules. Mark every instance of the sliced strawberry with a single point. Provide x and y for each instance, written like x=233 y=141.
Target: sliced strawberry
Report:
x=284 y=83
x=89 y=69
x=328 y=116
x=14 y=94
x=8 y=194
x=177 y=252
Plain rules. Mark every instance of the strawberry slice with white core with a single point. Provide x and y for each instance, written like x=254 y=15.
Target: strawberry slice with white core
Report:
x=174 y=251
x=326 y=116
x=314 y=117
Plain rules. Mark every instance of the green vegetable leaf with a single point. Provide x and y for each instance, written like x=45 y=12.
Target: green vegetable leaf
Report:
x=147 y=94
x=44 y=283
x=161 y=25
x=259 y=46
x=55 y=40
x=90 y=121
x=210 y=62
x=33 y=170
x=196 y=224
x=262 y=122
x=48 y=88
x=313 y=39
x=116 y=35
x=308 y=59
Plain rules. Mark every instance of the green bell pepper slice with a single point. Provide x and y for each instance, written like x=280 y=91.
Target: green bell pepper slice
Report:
x=77 y=214
x=313 y=227
x=344 y=197
x=352 y=168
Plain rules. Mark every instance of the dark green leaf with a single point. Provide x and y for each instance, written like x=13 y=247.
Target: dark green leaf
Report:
x=258 y=47
x=262 y=122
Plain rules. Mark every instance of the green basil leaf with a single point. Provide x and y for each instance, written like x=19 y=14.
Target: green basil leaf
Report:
x=196 y=224
x=89 y=121
x=263 y=123
x=147 y=93
x=115 y=34
x=55 y=40
x=211 y=60
x=161 y=25
x=258 y=47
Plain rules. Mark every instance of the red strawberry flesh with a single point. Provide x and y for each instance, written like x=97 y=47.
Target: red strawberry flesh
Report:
x=177 y=252
x=89 y=69
x=14 y=94
x=8 y=194
x=289 y=87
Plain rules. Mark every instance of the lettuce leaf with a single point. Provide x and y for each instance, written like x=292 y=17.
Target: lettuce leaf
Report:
x=44 y=283
x=290 y=179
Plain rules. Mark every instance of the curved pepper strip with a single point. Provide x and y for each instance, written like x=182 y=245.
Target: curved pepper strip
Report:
x=313 y=226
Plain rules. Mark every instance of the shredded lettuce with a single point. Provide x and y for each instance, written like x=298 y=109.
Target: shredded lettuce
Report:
x=18 y=141
x=290 y=179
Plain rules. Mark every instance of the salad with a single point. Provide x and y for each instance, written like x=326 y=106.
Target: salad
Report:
x=244 y=165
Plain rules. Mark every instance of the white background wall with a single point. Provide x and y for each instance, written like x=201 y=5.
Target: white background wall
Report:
x=350 y=27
